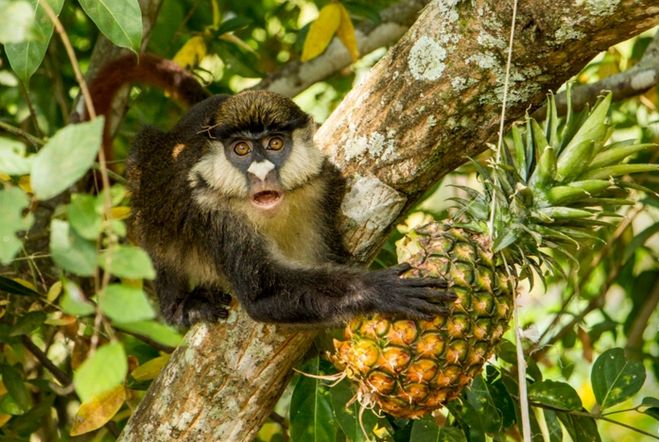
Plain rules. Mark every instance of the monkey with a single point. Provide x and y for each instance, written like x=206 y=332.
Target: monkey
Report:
x=236 y=198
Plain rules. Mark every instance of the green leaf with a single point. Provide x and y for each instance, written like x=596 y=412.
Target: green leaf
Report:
x=125 y=304
x=580 y=428
x=650 y=406
x=619 y=170
x=26 y=56
x=13 y=381
x=12 y=157
x=348 y=418
x=16 y=20
x=553 y=426
x=15 y=288
x=65 y=158
x=127 y=262
x=161 y=333
x=555 y=394
x=13 y=201
x=427 y=430
x=104 y=370
x=70 y=251
x=27 y=323
x=85 y=215
x=615 y=377
x=614 y=155
x=311 y=408
x=233 y=24
x=479 y=397
x=119 y=20
x=73 y=301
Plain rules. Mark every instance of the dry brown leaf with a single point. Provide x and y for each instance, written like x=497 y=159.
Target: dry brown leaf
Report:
x=97 y=411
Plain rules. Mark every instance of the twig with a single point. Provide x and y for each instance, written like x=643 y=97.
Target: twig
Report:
x=30 y=106
x=21 y=133
x=283 y=423
x=155 y=344
x=62 y=377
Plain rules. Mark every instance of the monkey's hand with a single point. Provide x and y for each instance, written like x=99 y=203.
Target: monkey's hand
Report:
x=202 y=304
x=415 y=298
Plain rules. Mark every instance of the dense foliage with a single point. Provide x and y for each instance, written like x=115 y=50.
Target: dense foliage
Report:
x=80 y=339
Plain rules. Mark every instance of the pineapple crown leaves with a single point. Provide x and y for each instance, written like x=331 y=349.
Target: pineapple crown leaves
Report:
x=555 y=185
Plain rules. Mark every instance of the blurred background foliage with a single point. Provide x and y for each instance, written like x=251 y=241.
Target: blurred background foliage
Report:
x=48 y=323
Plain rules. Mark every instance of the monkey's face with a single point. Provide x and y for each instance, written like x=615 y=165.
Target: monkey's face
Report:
x=260 y=148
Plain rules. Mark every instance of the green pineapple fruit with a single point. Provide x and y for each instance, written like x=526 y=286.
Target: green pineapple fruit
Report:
x=552 y=187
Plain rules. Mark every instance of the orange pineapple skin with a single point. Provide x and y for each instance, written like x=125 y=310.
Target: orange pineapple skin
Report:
x=410 y=368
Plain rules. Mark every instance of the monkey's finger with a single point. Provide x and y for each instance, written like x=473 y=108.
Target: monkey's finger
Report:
x=439 y=283
x=401 y=268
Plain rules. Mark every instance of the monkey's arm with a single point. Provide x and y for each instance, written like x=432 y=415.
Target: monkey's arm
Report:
x=271 y=290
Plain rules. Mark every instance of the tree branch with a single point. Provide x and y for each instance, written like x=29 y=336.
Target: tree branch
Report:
x=635 y=81
x=433 y=100
x=295 y=76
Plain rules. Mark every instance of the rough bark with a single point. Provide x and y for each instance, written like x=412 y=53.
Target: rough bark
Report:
x=430 y=102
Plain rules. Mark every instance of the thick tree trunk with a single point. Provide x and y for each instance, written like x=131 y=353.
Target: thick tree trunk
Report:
x=433 y=100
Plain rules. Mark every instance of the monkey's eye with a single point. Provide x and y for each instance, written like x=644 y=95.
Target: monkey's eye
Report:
x=275 y=143
x=242 y=148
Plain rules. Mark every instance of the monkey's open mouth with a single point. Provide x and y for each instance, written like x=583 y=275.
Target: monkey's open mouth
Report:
x=268 y=199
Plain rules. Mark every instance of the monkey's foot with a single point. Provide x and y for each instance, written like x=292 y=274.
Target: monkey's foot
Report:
x=202 y=304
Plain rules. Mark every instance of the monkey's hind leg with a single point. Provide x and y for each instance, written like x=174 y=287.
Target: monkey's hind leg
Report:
x=182 y=307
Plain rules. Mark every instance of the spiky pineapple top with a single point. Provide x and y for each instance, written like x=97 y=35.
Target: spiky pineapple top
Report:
x=553 y=186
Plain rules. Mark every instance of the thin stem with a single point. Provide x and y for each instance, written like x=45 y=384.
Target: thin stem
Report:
x=33 y=112
x=62 y=377
x=21 y=133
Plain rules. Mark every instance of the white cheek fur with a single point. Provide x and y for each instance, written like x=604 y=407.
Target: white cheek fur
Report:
x=219 y=173
x=304 y=162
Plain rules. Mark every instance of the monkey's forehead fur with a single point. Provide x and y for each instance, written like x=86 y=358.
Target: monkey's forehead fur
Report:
x=257 y=112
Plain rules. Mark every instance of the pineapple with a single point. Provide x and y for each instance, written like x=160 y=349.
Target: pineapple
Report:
x=552 y=187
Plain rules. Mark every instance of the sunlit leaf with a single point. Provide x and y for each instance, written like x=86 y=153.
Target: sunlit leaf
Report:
x=155 y=330
x=13 y=201
x=150 y=369
x=16 y=288
x=97 y=411
x=74 y=302
x=127 y=262
x=125 y=304
x=346 y=33
x=26 y=56
x=54 y=291
x=101 y=372
x=615 y=377
x=85 y=215
x=66 y=157
x=16 y=20
x=13 y=160
x=555 y=394
x=119 y=20
x=311 y=408
x=191 y=53
x=70 y=251
x=16 y=388
x=321 y=31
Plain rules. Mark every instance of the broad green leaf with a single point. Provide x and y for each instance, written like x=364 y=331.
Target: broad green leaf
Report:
x=150 y=369
x=580 y=428
x=101 y=372
x=98 y=411
x=615 y=377
x=321 y=31
x=650 y=406
x=13 y=381
x=85 y=215
x=8 y=405
x=127 y=262
x=119 y=20
x=16 y=20
x=155 y=330
x=311 y=408
x=66 y=157
x=125 y=304
x=74 y=302
x=348 y=418
x=13 y=201
x=555 y=394
x=25 y=57
x=427 y=430
x=479 y=397
x=191 y=53
x=465 y=414
x=553 y=426
x=12 y=157
x=70 y=251
x=16 y=288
